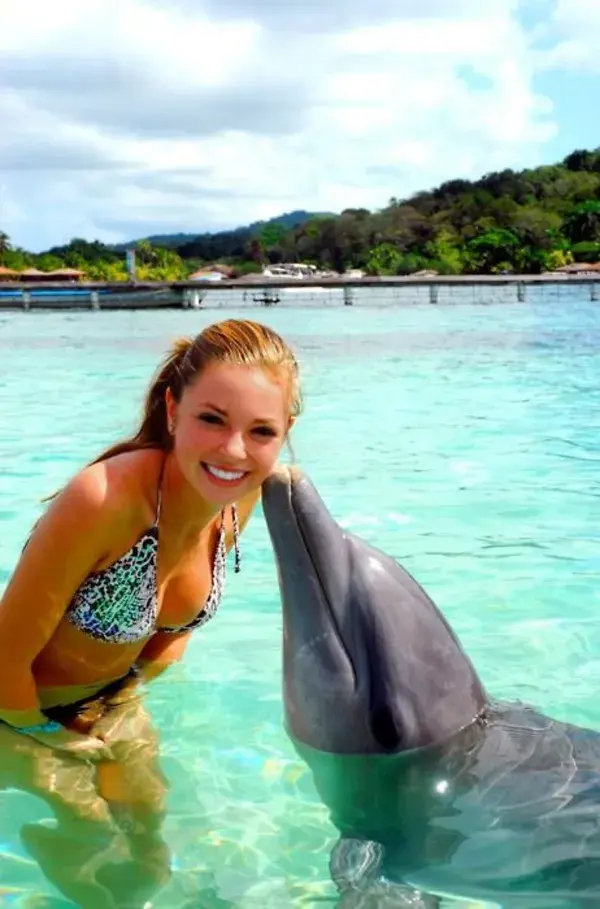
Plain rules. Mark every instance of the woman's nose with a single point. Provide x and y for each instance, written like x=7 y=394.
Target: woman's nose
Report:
x=234 y=445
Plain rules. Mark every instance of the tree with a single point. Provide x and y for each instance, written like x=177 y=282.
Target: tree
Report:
x=271 y=234
x=446 y=253
x=556 y=258
x=257 y=254
x=582 y=160
x=106 y=271
x=159 y=263
x=384 y=259
x=536 y=226
x=47 y=262
x=5 y=245
x=145 y=252
x=494 y=251
x=586 y=252
x=582 y=224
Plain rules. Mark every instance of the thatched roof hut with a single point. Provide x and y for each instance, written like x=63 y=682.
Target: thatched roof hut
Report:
x=65 y=274
x=59 y=274
x=32 y=274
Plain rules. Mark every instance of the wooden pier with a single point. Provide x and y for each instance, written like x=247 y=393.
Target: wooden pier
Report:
x=260 y=291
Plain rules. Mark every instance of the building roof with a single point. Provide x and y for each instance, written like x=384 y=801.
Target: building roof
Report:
x=225 y=270
x=578 y=267
x=206 y=274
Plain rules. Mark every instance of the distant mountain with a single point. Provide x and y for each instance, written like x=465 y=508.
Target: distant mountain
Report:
x=291 y=219
x=165 y=240
x=288 y=221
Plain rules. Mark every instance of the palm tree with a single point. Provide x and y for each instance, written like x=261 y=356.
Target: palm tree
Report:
x=4 y=245
x=146 y=252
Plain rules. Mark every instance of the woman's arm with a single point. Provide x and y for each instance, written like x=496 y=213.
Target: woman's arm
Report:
x=70 y=538
x=161 y=651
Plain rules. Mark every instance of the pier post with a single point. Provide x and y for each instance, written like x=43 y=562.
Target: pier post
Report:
x=95 y=299
x=434 y=293
x=348 y=296
x=26 y=299
x=594 y=291
x=521 y=292
x=192 y=298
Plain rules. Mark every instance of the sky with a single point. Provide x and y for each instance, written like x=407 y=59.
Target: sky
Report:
x=125 y=118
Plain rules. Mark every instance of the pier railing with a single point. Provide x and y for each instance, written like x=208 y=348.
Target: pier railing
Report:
x=261 y=291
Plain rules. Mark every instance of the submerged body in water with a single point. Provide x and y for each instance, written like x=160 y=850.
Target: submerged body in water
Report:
x=507 y=811
x=104 y=847
x=433 y=786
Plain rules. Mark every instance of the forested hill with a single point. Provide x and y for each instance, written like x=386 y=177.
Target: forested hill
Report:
x=227 y=238
x=528 y=221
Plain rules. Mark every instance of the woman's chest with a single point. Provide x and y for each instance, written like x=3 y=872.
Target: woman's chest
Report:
x=183 y=596
x=185 y=582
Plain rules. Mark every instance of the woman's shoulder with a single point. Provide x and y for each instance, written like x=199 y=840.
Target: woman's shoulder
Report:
x=122 y=485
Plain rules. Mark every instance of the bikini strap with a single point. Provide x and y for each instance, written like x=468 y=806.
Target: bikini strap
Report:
x=236 y=535
x=234 y=520
x=159 y=493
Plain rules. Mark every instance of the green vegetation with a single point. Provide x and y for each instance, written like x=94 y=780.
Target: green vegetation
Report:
x=529 y=221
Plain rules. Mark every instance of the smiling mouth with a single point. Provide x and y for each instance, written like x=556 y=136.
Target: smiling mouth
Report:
x=222 y=476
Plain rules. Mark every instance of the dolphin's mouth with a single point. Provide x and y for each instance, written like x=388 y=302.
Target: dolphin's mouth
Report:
x=320 y=536
x=309 y=547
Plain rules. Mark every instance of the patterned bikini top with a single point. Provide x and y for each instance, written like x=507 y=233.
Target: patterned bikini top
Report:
x=119 y=604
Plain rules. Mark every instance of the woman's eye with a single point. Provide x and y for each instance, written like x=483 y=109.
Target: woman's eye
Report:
x=214 y=419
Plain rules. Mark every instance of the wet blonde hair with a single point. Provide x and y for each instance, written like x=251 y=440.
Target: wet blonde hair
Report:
x=237 y=341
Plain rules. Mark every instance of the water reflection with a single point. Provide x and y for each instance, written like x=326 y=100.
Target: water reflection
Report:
x=104 y=848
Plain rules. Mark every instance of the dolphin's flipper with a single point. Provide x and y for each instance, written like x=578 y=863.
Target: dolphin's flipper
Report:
x=356 y=870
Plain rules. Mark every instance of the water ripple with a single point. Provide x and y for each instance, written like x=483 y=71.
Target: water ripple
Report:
x=467 y=449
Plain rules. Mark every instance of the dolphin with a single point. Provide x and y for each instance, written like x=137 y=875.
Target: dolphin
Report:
x=434 y=786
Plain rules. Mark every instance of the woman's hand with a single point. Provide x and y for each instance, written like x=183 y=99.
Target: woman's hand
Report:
x=84 y=747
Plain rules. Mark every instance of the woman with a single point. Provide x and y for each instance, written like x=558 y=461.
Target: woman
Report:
x=126 y=562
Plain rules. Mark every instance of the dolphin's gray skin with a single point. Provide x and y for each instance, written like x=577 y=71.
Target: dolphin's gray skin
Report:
x=431 y=784
x=371 y=666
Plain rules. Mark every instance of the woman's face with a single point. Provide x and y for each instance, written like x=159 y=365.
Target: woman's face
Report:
x=228 y=429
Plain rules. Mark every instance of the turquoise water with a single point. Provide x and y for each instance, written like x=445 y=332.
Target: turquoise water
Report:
x=464 y=440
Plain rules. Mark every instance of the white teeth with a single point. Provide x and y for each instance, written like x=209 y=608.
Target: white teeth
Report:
x=225 y=474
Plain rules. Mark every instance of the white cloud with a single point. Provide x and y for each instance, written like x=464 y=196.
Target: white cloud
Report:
x=130 y=117
x=572 y=35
